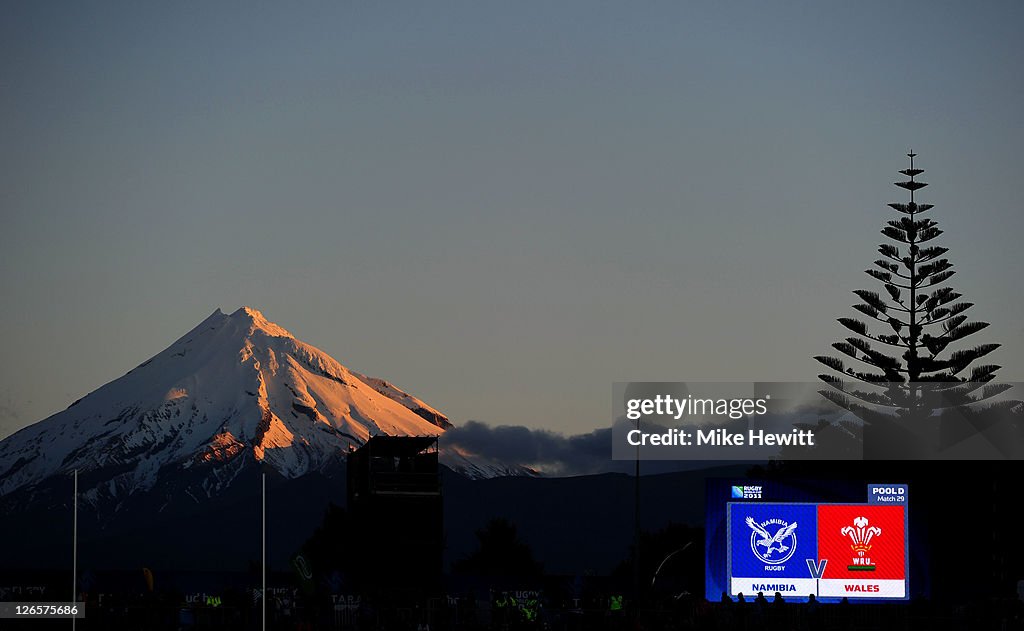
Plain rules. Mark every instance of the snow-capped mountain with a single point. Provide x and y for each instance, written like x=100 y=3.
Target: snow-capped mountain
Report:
x=234 y=391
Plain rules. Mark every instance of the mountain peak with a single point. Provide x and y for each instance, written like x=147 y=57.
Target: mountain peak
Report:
x=234 y=391
x=236 y=388
x=254 y=320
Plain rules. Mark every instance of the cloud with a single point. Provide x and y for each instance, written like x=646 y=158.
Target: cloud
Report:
x=549 y=452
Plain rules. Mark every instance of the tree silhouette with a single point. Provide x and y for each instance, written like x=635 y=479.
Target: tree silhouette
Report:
x=501 y=553
x=909 y=370
x=330 y=545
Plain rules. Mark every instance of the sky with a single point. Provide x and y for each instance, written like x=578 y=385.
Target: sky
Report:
x=501 y=207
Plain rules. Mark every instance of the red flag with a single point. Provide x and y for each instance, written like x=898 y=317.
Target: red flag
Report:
x=862 y=541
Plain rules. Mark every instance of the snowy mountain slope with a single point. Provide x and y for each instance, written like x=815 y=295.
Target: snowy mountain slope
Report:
x=419 y=407
x=234 y=391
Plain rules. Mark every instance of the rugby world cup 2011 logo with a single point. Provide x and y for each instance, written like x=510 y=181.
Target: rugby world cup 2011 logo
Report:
x=861 y=533
x=773 y=541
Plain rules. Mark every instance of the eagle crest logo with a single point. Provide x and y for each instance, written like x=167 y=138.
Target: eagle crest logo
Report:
x=773 y=541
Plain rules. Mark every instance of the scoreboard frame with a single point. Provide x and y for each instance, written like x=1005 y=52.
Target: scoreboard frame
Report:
x=816 y=572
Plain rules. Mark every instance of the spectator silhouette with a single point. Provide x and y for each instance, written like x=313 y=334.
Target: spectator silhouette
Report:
x=741 y=611
x=761 y=602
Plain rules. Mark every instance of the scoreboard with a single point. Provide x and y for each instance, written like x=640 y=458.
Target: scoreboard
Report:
x=830 y=550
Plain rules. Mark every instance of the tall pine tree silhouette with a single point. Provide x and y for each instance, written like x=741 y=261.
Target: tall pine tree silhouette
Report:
x=907 y=357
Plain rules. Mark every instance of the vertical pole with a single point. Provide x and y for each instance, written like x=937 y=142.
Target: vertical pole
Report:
x=264 y=494
x=636 y=531
x=74 y=549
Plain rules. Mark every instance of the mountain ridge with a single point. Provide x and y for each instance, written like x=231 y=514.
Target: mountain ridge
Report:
x=235 y=390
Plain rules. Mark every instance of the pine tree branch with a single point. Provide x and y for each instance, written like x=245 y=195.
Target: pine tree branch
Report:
x=880 y=340
x=874 y=398
x=875 y=317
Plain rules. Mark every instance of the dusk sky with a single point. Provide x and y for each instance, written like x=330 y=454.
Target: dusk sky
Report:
x=501 y=208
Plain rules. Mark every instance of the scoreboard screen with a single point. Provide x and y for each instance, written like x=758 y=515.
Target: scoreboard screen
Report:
x=829 y=549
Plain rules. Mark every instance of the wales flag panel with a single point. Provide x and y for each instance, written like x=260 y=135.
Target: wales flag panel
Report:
x=769 y=548
x=865 y=548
